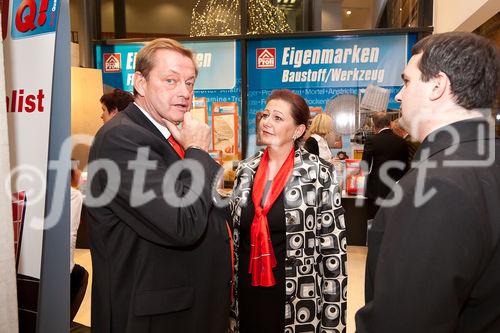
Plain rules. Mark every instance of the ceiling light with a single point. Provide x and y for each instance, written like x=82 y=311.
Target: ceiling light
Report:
x=285 y=1
x=348 y=12
x=400 y=9
x=292 y=1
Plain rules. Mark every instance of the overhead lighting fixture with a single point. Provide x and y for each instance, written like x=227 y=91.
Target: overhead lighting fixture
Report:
x=348 y=12
x=400 y=9
x=285 y=1
x=292 y=1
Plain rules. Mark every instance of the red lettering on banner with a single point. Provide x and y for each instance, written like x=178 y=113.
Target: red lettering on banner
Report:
x=25 y=23
x=26 y=14
x=43 y=9
x=20 y=102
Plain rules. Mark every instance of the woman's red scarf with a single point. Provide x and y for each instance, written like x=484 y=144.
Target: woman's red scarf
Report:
x=262 y=259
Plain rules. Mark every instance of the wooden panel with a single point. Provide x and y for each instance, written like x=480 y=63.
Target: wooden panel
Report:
x=86 y=90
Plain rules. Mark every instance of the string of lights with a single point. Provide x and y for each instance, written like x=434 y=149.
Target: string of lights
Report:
x=215 y=17
x=222 y=17
x=264 y=17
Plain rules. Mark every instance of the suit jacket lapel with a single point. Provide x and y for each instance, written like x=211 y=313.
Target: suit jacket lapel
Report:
x=136 y=115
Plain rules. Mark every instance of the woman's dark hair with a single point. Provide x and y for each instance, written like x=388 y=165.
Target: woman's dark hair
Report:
x=299 y=107
x=118 y=99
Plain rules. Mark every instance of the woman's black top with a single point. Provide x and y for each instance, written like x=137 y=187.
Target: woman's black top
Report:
x=262 y=309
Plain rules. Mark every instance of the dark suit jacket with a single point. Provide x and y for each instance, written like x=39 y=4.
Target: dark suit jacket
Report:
x=435 y=264
x=412 y=147
x=156 y=268
x=380 y=148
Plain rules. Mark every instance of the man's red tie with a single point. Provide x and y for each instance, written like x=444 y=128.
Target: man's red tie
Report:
x=177 y=147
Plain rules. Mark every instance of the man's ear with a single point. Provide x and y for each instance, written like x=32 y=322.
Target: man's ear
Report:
x=113 y=111
x=441 y=86
x=139 y=83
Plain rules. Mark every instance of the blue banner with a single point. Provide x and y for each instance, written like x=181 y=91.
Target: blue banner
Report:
x=33 y=17
x=217 y=87
x=216 y=64
x=337 y=62
x=322 y=68
x=118 y=64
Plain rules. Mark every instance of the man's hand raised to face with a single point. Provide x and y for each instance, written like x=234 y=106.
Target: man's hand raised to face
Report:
x=192 y=134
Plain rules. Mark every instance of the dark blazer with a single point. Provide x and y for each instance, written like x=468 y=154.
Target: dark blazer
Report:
x=380 y=148
x=438 y=263
x=412 y=147
x=156 y=268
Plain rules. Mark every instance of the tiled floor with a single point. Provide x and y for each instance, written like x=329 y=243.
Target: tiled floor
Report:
x=356 y=257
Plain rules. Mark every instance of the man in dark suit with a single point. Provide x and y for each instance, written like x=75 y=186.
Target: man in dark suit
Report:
x=411 y=143
x=383 y=150
x=160 y=248
x=438 y=266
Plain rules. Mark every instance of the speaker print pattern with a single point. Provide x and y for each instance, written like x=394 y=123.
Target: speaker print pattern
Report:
x=315 y=264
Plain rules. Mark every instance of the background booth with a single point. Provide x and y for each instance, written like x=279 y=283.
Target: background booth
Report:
x=347 y=76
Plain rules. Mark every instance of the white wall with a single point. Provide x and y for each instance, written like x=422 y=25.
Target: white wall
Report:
x=334 y=16
x=462 y=15
x=107 y=18
x=331 y=15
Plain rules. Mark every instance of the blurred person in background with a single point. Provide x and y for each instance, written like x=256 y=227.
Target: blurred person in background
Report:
x=79 y=275
x=114 y=102
x=321 y=126
x=382 y=147
x=411 y=143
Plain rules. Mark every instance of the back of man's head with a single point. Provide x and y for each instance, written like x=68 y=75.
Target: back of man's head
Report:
x=380 y=120
x=398 y=129
x=471 y=62
x=117 y=99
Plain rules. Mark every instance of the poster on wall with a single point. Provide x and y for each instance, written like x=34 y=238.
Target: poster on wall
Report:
x=338 y=75
x=29 y=36
x=217 y=88
x=200 y=109
x=225 y=127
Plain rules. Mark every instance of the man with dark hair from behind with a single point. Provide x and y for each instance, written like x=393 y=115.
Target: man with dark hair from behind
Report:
x=438 y=266
x=382 y=147
x=114 y=102
x=411 y=143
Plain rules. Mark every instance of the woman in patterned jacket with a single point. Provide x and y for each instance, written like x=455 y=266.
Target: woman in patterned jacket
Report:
x=289 y=231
